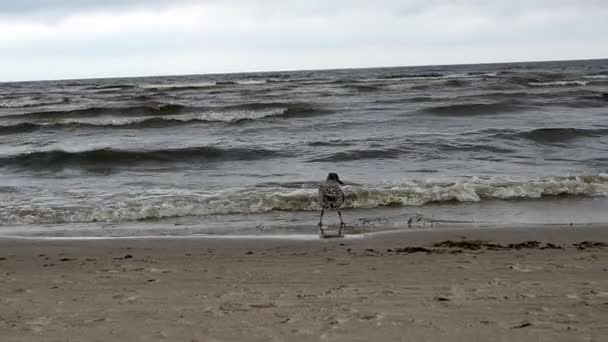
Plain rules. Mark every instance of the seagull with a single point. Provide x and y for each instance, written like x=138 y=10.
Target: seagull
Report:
x=331 y=196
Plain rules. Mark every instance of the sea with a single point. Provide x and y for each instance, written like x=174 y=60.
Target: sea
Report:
x=432 y=147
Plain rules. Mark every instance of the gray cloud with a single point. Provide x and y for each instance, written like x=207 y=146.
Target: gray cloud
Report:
x=312 y=6
x=68 y=6
x=51 y=38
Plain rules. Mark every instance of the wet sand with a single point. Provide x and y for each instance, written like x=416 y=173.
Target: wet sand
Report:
x=541 y=284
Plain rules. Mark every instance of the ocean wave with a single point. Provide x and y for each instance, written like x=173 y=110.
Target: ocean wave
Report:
x=416 y=99
x=552 y=135
x=353 y=155
x=224 y=83
x=472 y=109
x=363 y=87
x=130 y=207
x=558 y=83
x=412 y=148
x=113 y=123
x=108 y=158
x=506 y=98
x=438 y=76
x=29 y=102
x=153 y=109
x=595 y=96
x=330 y=143
x=199 y=85
x=530 y=79
x=150 y=117
x=239 y=82
x=177 y=86
x=474 y=148
x=135 y=123
x=597 y=77
x=251 y=82
x=283 y=109
x=25 y=127
x=456 y=83
x=418 y=75
x=117 y=86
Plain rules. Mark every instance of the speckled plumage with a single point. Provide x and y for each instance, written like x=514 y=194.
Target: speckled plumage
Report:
x=331 y=196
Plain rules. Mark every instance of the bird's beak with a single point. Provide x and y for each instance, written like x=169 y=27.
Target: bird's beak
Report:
x=339 y=181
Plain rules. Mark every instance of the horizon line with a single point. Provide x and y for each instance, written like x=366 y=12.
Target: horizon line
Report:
x=302 y=70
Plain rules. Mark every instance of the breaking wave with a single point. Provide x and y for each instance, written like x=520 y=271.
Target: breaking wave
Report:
x=597 y=77
x=154 y=122
x=143 y=110
x=558 y=83
x=198 y=85
x=117 y=86
x=287 y=109
x=109 y=158
x=155 y=117
x=28 y=102
x=438 y=76
x=127 y=207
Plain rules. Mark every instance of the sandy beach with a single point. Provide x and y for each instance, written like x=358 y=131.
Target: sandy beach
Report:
x=545 y=284
x=168 y=170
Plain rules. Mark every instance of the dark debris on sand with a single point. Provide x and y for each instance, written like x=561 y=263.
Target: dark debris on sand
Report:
x=455 y=247
x=522 y=325
x=128 y=256
x=589 y=244
x=478 y=244
x=413 y=250
x=442 y=299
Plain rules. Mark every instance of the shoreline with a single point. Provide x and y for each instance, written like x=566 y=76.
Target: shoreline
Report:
x=566 y=212
x=501 y=284
x=381 y=235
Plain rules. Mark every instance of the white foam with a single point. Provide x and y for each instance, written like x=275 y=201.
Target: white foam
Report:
x=125 y=207
x=209 y=116
x=251 y=82
x=438 y=77
x=558 y=83
x=594 y=77
x=29 y=101
x=231 y=116
x=177 y=85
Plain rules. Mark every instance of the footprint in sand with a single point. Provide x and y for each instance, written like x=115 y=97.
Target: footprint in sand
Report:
x=38 y=324
x=521 y=268
x=262 y=306
x=228 y=307
x=369 y=316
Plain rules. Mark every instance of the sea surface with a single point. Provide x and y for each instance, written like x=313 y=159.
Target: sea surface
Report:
x=493 y=144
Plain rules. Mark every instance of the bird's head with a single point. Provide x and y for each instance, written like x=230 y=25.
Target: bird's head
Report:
x=332 y=176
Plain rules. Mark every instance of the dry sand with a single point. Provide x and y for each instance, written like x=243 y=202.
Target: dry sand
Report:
x=389 y=287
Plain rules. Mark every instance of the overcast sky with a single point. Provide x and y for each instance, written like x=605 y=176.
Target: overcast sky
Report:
x=57 y=39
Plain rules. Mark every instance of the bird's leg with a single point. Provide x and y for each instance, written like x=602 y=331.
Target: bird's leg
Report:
x=321 y=221
x=342 y=224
